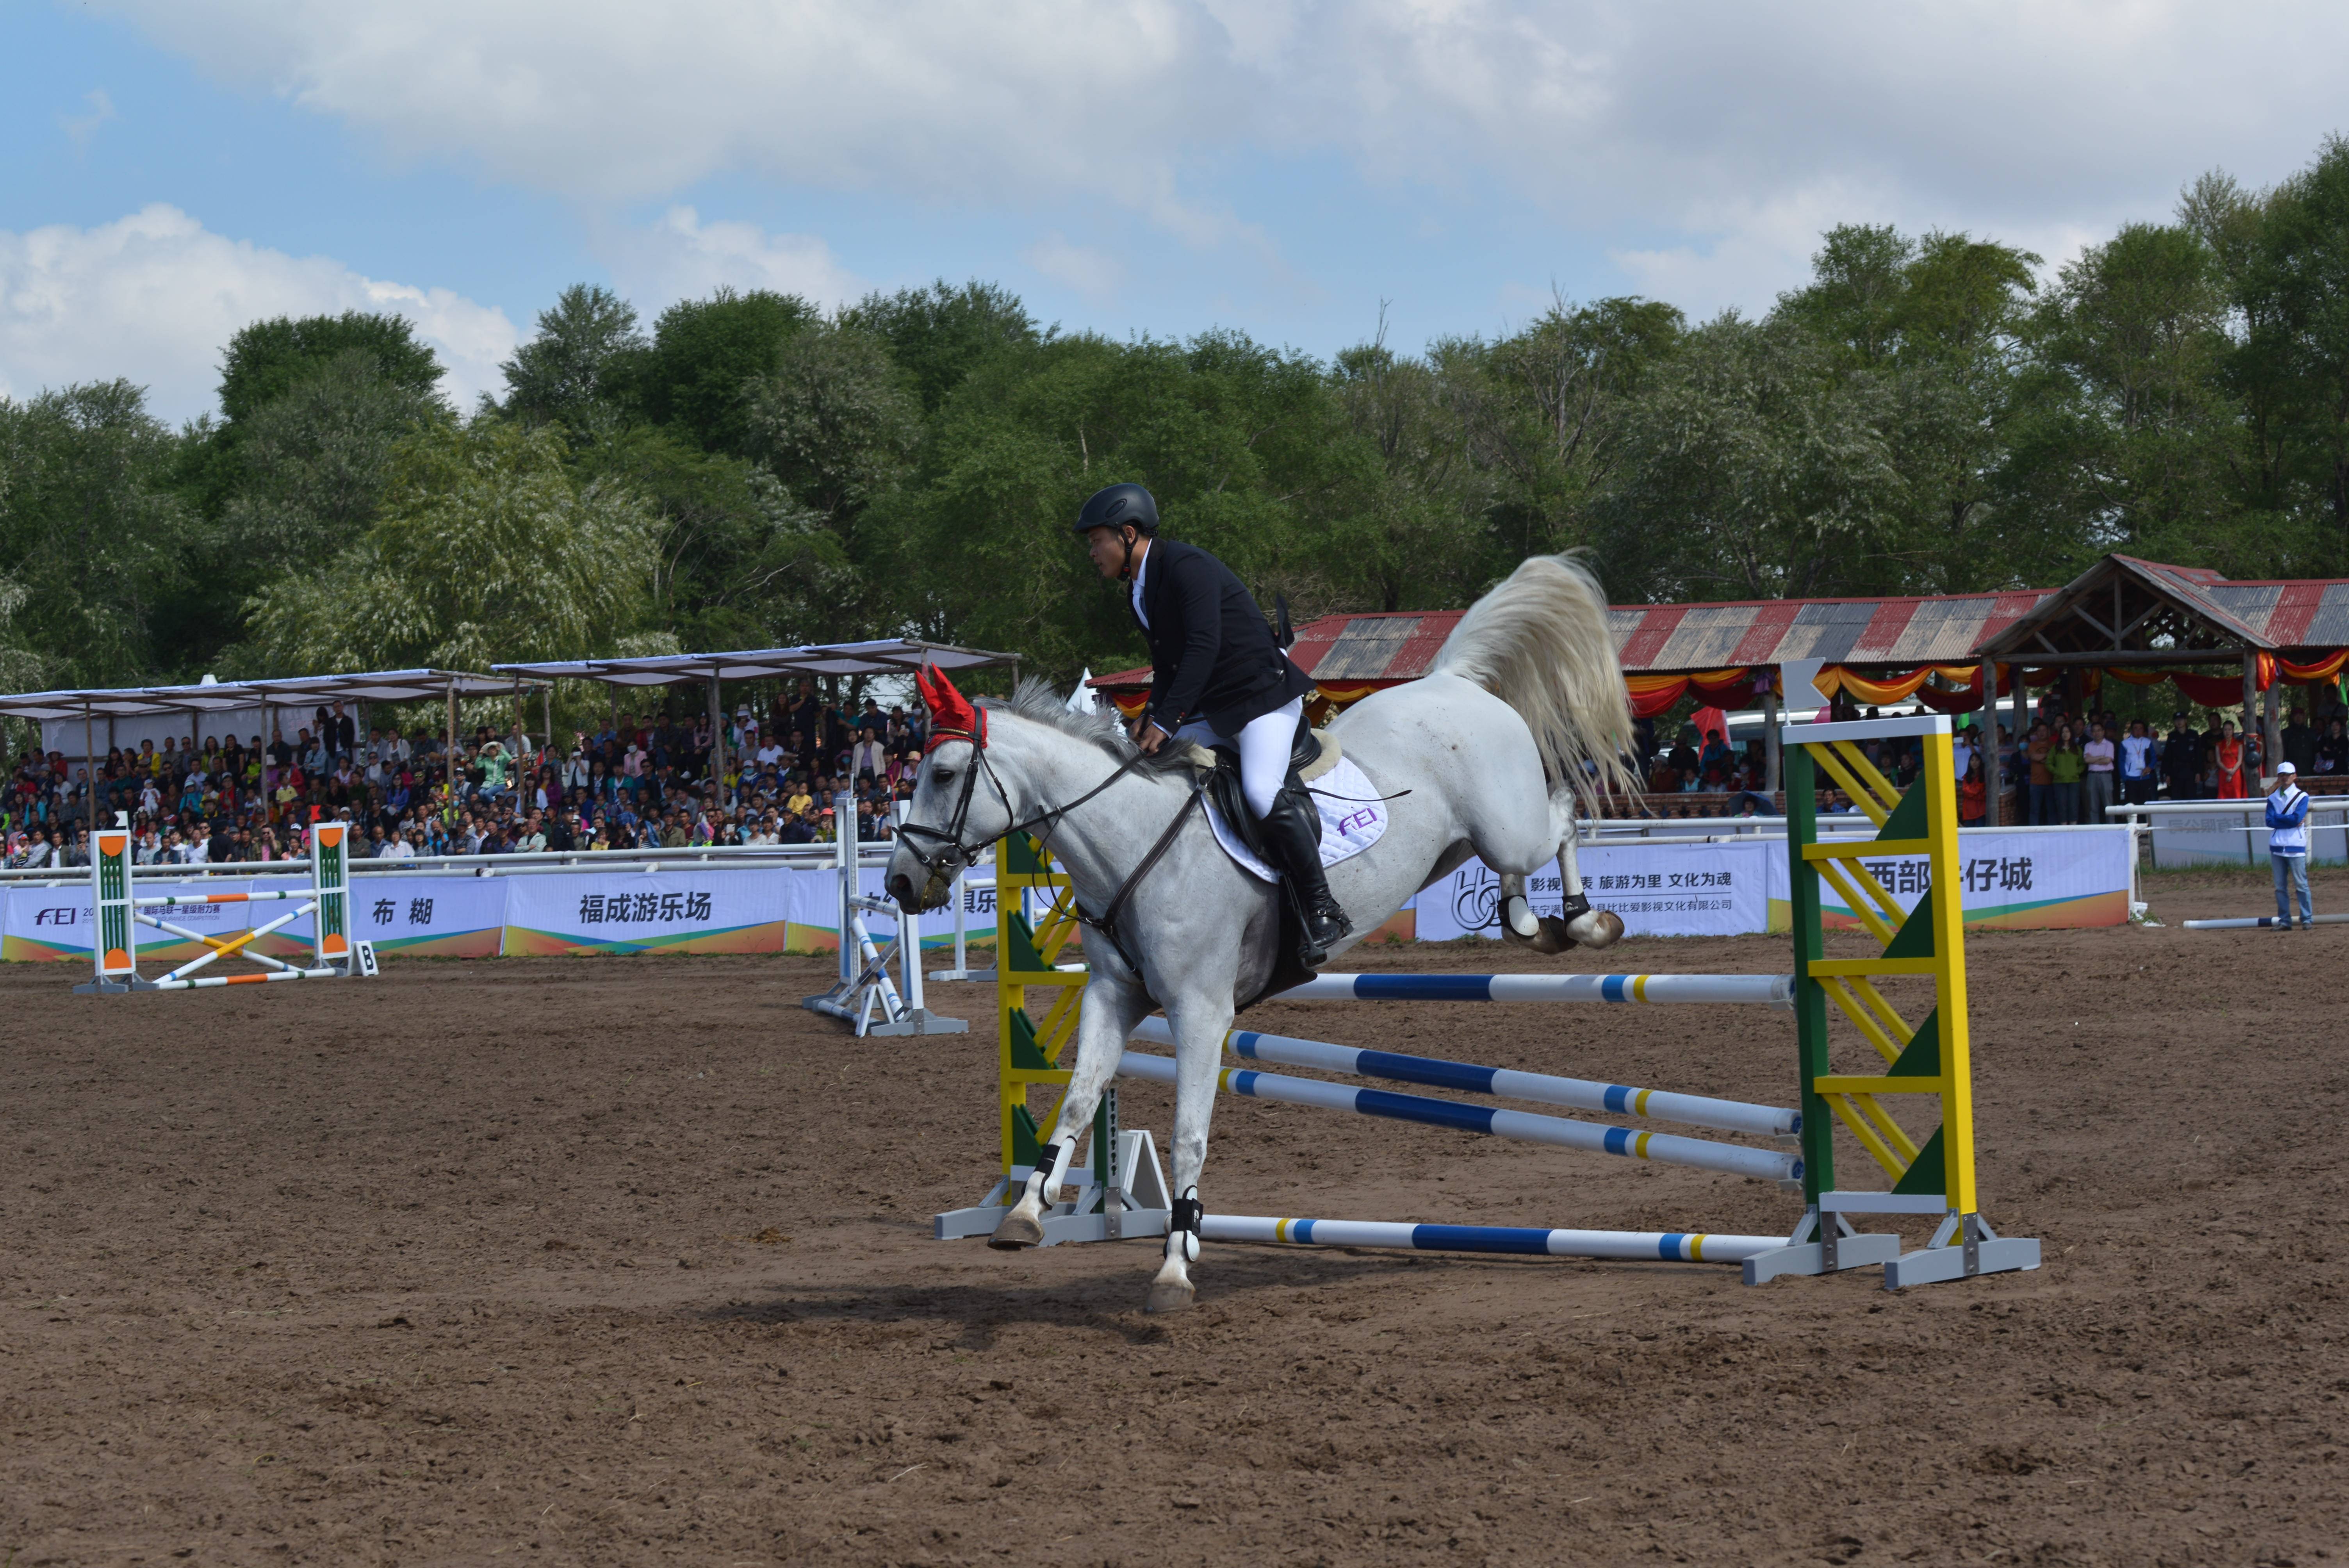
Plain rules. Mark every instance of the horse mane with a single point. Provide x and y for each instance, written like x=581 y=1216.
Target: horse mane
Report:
x=1033 y=699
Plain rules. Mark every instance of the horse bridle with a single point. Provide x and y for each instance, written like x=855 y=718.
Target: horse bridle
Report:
x=958 y=851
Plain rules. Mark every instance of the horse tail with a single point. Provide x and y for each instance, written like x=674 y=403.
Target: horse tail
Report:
x=1541 y=642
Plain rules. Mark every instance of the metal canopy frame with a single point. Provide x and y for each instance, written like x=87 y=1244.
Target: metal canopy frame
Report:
x=885 y=656
x=889 y=656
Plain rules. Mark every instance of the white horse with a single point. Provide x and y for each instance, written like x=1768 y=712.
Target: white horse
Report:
x=1523 y=721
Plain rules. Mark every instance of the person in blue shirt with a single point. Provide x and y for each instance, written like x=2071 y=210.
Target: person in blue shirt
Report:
x=2288 y=846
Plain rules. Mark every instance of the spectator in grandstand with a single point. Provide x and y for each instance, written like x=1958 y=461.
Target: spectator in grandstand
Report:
x=2101 y=757
x=2065 y=767
x=2333 y=751
x=2137 y=750
x=1973 y=795
x=2299 y=743
x=2229 y=758
x=2042 y=780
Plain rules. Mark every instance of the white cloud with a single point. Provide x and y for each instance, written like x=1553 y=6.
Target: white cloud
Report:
x=81 y=128
x=1703 y=126
x=1088 y=271
x=681 y=256
x=155 y=297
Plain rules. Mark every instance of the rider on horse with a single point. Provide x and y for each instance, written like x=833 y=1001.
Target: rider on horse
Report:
x=1218 y=678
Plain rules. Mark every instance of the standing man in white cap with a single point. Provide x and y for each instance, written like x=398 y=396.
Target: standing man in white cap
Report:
x=2288 y=846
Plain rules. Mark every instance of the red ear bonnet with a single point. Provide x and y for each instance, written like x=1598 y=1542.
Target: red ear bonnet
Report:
x=952 y=718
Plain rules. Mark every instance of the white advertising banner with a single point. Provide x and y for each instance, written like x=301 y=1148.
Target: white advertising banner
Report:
x=2075 y=877
x=1658 y=890
x=683 y=912
x=45 y=922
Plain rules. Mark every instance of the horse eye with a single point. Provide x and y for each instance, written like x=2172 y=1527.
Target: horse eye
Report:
x=941 y=774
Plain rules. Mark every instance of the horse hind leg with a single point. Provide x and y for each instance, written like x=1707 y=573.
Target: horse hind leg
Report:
x=1521 y=927
x=1584 y=926
x=1581 y=925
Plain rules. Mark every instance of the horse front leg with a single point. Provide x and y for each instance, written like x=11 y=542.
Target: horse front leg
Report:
x=1199 y=1030
x=1112 y=1006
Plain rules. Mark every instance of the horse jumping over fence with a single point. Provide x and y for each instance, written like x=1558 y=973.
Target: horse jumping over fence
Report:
x=1521 y=726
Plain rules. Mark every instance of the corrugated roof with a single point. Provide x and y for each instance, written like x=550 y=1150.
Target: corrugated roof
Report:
x=1899 y=633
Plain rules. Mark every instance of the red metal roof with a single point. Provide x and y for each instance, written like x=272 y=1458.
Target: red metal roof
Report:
x=1899 y=633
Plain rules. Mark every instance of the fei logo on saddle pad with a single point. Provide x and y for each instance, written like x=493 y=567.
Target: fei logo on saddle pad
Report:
x=1354 y=818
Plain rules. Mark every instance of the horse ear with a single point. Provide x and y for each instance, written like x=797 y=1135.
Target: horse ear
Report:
x=922 y=684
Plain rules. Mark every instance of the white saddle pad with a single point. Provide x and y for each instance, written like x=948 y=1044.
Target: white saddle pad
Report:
x=1354 y=818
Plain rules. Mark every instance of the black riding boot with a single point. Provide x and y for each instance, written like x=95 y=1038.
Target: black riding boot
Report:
x=1292 y=832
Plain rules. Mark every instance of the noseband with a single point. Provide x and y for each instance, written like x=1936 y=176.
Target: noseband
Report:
x=955 y=851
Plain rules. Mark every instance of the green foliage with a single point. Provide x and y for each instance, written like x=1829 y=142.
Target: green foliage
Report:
x=89 y=530
x=937 y=336
x=704 y=355
x=1928 y=414
x=489 y=549
x=1775 y=468
x=738 y=563
x=573 y=373
x=266 y=360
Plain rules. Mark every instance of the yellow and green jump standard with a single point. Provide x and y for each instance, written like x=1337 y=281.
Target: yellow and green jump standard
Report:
x=1927 y=1060
x=1037 y=1001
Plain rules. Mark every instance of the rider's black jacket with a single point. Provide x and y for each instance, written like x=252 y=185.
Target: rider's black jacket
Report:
x=1211 y=653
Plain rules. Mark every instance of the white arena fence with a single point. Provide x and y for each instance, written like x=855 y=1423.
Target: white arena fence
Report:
x=740 y=899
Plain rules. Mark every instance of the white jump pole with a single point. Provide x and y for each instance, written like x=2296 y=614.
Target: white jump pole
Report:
x=1663 y=1148
x=1762 y=990
x=1576 y=1094
x=2260 y=922
x=1669 y=1246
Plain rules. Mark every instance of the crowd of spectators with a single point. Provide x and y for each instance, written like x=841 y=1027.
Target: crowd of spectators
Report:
x=2066 y=769
x=663 y=781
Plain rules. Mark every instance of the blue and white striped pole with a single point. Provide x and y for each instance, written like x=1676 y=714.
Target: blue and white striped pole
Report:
x=1762 y=990
x=1576 y=1094
x=1669 y=1246
x=1663 y=1148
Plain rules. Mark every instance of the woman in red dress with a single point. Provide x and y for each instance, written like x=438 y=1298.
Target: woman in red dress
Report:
x=2229 y=758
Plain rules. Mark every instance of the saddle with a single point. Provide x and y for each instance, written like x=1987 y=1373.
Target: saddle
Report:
x=1217 y=770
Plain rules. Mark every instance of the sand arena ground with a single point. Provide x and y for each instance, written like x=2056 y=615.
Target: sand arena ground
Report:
x=625 y=1260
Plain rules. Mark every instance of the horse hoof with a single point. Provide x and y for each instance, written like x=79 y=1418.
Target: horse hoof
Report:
x=1599 y=928
x=1169 y=1296
x=1015 y=1230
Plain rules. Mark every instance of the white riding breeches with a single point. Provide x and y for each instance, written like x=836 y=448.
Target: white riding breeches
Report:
x=1264 y=744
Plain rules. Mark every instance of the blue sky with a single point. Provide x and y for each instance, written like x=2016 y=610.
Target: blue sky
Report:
x=177 y=167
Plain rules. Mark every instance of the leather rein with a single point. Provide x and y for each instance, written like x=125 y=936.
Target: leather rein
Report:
x=957 y=850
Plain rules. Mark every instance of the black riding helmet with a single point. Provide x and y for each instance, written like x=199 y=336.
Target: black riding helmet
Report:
x=1119 y=506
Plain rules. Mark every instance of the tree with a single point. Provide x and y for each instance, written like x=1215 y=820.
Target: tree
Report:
x=704 y=355
x=2296 y=296
x=1243 y=445
x=89 y=529
x=1753 y=470
x=738 y=562
x=575 y=372
x=2130 y=427
x=265 y=360
x=1549 y=415
x=488 y=551
x=937 y=335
